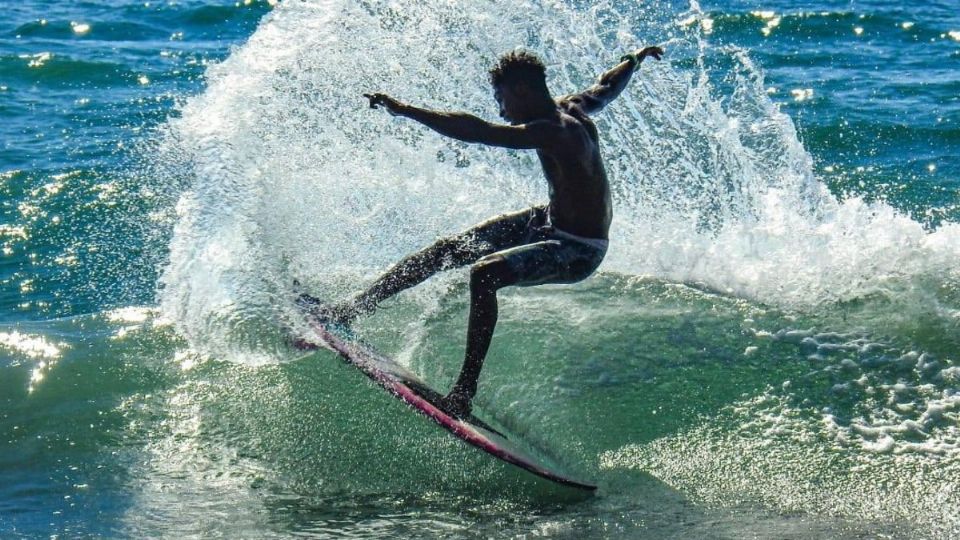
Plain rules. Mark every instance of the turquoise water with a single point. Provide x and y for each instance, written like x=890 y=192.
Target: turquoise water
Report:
x=769 y=351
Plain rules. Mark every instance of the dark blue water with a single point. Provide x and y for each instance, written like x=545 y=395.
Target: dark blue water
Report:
x=82 y=84
x=770 y=350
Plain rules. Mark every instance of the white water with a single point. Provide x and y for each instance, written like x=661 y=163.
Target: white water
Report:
x=296 y=178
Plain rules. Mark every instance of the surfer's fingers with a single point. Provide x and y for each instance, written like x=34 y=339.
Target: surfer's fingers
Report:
x=375 y=99
x=653 y=51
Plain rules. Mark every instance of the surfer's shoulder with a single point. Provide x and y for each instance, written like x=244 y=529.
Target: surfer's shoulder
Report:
x=569 y=101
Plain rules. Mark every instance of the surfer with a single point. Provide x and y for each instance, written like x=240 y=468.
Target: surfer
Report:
x=561 y=242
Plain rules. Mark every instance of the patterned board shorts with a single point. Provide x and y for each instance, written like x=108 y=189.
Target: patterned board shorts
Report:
x=536 y=252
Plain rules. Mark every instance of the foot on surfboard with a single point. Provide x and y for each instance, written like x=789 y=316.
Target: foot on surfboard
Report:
x=337 y=314
x=456 y=405
x=323 y=312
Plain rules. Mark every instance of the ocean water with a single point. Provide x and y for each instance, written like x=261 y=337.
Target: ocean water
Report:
x=770 y=350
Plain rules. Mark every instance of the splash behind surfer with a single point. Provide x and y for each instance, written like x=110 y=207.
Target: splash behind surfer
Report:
x=561 y=242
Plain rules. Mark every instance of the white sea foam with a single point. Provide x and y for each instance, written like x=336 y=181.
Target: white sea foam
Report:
x=771 y=458
x=295 y=177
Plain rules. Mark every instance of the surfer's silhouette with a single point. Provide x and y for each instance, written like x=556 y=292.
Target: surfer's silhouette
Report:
x=561 y=242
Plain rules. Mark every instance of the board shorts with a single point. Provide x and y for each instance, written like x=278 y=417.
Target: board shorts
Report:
x=535 y=251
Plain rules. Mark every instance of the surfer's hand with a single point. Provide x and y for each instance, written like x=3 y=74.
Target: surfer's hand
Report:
x=376 y=100
x=638 y=55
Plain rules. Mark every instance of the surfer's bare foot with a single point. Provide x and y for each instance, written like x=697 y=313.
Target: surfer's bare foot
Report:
x=456 y=405
x=331 y=313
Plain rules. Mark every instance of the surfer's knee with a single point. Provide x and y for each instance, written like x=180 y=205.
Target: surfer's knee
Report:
x=490 y=274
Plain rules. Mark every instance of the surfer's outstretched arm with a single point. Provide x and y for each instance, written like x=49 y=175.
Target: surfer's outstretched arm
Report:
x=468 y=128
x=611 y=83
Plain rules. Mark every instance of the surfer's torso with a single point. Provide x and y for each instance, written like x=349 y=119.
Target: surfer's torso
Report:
x=580 y=201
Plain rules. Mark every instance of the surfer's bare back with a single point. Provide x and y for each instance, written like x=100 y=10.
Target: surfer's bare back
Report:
x=562 y=242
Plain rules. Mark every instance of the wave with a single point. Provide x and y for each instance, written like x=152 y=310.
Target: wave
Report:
x=296 y=178
x=661 y=387
x=908 y=26
x=210 y=15
x=754 y=340
x=105 y=30
x=59 y=70
x=292 y=176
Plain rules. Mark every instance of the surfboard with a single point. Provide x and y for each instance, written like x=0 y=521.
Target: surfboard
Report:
x=411 y=389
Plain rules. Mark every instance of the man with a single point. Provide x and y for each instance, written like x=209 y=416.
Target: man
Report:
x=562 y=242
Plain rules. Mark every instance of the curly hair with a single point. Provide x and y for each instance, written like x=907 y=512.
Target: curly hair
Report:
x=519 y=67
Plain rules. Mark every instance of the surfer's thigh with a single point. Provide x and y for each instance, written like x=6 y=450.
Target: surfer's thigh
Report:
x=549 y=261
x=502 y=232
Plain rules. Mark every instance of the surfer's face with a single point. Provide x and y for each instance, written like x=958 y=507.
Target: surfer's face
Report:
x=510 y=102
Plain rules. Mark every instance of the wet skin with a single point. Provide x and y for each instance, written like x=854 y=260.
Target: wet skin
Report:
x=567 y=143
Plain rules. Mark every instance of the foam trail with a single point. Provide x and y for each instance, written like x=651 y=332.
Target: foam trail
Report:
x=296 y=177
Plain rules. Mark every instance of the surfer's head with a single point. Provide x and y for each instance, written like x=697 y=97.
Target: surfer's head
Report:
x=520 y=86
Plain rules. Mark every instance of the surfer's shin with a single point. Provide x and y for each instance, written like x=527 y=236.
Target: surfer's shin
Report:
x=483 y=320
x=484 y=283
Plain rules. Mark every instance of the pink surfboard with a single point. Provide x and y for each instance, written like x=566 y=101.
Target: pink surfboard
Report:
x=406 y=386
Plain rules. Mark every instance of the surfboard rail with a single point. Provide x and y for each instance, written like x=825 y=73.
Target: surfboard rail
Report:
x=403 y=384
